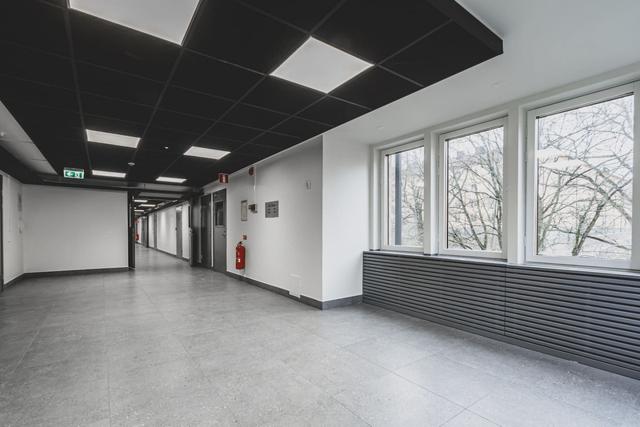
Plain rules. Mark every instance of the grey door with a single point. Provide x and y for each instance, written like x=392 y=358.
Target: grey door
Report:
x=144 y=228
x=155 y=231
x=179 y=233
x=205 y=231
x=220 y=230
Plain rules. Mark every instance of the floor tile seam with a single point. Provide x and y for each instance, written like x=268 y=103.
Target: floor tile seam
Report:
x=431 y=391
x=474 y=413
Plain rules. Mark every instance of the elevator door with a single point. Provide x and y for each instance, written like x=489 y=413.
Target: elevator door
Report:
x=179 y=233
x=220 y=230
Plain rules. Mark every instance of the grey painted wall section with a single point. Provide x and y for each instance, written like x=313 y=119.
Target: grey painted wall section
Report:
x=593 y=318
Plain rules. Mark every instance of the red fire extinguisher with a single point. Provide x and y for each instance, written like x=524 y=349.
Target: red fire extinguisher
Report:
x=240 y=256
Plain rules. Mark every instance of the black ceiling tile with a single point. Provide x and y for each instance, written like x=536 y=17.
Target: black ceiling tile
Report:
x=333 y=111
x=43 y=119
x=230 y=131
x=374 y=29
x=63 y=153
x=111 y=45
x=118 y=85
x=116 y=109
x=443 y=54
x=37 y=94
x=208 y=75
x=157 y=138
x=276 y=140
x=30 y=64
x=302 y=128
x=375 y=88
x=232 y=32
x=105 y=124
x=304 y=14
x=34 y=24
x=181 y=122
x=109 y=157
x=193 y=167
x=280 y=95
x=255 y=152
x=247 y=115
x=188 y=102
x=150 y=163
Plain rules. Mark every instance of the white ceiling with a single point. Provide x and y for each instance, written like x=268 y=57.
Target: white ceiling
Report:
x=547 y=43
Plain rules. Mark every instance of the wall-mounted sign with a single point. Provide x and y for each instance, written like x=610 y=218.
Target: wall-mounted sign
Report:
x=271 y=209
x=223 y=178
x=243 y=210
x=73 y=173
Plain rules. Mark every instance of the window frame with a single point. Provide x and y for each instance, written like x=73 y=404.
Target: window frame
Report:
x=531 y=187
x=442 y=177
x=384 y=214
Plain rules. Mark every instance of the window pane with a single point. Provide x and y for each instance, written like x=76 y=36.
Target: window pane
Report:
x=405 y=202
x=584 y=168
x=474 y=191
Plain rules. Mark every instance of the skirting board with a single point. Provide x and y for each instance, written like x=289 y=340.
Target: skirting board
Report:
x=322 y=305
x=25 y=276
x=167 y=253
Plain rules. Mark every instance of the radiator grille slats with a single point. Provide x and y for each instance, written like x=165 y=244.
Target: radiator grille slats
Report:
x=594 y=318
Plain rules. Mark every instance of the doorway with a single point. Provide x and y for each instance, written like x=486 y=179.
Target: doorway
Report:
x=220 y=230
x=179 y=232
x=205 y=231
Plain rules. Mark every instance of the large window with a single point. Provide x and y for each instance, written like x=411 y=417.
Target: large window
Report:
x=403 y=197
x=581 y=180
x=471 y=191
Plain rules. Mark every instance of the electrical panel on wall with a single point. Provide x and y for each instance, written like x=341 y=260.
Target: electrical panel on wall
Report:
x=271 y=209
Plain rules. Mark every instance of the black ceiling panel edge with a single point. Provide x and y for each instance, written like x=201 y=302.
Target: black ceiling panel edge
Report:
x=470 y=23
x=18 y=170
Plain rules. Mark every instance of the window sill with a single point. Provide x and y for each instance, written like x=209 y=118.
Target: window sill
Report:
x=529 y=265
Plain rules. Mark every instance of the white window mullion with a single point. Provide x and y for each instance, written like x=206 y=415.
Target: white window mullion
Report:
x=635 y=219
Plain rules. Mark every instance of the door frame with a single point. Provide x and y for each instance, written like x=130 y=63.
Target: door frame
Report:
x=219 y=193
x=1 y=233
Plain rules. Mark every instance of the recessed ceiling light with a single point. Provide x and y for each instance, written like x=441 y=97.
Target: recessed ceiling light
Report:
x=131 y=164
x=207 y=153
x=112 y=138
x=166 y=19
x=140 y=200
x=320 y=66
x=108 y=174
x=170 y=179
x=147 y=205
x=138 y=210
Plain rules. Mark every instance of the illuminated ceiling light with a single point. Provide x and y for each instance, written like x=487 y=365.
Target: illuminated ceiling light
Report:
x=138 y=210
x=112 y=138
x=147 y=205
x=207 y=153
x=108 y=174
x=165 y=19
x=140 y=201
x=171 y=179
x=320 y=66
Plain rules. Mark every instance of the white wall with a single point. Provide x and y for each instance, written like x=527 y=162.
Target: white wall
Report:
x=345 y=216
x=285 y=252
x=152 y=237
x=12 y=228
x=73 y=229
x=167 y=230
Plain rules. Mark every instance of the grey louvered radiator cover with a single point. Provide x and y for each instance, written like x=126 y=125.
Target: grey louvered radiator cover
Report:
x=590 y=317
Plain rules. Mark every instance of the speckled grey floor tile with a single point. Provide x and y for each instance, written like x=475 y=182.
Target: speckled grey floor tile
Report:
x=170 y=345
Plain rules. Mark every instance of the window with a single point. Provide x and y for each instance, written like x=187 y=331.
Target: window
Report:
x=581 y=180
x=403 y=197
x=471 y=190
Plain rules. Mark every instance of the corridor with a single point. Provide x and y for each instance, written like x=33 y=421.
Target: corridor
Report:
x=174 y=345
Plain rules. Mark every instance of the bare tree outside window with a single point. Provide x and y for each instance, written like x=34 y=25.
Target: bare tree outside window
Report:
x=584 y=172
x=405 y=204
x=474 y=191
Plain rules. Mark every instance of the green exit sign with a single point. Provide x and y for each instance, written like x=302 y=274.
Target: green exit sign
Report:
x=74 y=173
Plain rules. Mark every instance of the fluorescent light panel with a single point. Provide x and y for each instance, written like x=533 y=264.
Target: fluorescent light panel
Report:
x=165 y=19
x=207 y=153
x=108 y=174
x=147 y=205
x=171 y=179
x=140 y=201
x=112 y=138
x=320 y=66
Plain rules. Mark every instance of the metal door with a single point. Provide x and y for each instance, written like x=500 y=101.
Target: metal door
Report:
x=220 y=230
x=179 y=232
x=205 y=231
